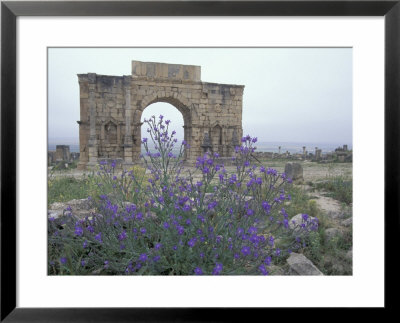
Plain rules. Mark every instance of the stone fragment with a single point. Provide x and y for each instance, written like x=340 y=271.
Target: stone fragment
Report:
x=302 y=266
x=62 y=153
x=349 y=254
x=347 y=222
x=79 y=208
x=294 y=171
x=296 y=222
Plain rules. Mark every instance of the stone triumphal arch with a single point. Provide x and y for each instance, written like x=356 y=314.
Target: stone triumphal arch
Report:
x=111 y=108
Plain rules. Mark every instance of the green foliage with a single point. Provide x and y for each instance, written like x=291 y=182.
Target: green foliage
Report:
x=315 y=244
x=301 y=202
x=339 y=188
x=329 y=255
x=66 y=188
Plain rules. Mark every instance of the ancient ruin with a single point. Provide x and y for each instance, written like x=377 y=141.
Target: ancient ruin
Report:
x=111 y=108
x=61 y=157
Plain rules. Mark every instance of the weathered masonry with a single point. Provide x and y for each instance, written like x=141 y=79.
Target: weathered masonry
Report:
x=111 y=108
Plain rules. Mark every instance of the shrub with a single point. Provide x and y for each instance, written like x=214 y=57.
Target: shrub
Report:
x=172 y=226
x=339 y=188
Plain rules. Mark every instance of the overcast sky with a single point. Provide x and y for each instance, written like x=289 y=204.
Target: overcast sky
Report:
x=290 y=95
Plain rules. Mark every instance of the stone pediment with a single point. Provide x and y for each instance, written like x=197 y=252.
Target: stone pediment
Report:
x=215 y=124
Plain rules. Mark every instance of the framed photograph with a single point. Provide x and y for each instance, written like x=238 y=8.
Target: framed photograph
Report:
x=130 y=178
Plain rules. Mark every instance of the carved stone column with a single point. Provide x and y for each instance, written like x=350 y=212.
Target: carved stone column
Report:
x=187 y=136
x=235 y=139
x=128 y=142
x=93 y=143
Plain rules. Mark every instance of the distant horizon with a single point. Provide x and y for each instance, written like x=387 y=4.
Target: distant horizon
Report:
x=261 y=146
x=75 y=141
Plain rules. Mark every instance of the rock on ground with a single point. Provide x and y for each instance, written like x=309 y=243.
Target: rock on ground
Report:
x=79 y=208
x=298 y=220
x=332 y=233
x=347 y=222
x=301 y=265
x=349 y=254
x=294 y=171
x=330 y=206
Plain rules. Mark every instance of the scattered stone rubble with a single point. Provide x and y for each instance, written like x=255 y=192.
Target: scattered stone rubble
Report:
x=79 y=208
x=341 y=154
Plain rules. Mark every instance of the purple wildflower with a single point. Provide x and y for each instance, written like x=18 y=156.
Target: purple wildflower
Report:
x=180 y=229
x=252 y=230
x=143 y=257
x=122 y=235
x=98 y=237
x=271 y=241
x=78 y=230
x=263 y=270
x=267 y=260
x=246 y=250
x=192 y=242
x=217 y=269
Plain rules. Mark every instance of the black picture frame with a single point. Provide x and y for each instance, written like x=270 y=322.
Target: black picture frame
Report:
x=10 y=10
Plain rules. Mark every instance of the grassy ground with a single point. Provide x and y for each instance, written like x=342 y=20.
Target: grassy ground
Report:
x=338 y=187
x=66 y=188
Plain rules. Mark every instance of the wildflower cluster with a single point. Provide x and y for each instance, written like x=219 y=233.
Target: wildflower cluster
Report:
x=203 y=222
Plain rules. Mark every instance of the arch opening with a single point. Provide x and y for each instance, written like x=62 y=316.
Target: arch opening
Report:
x=170 y=112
